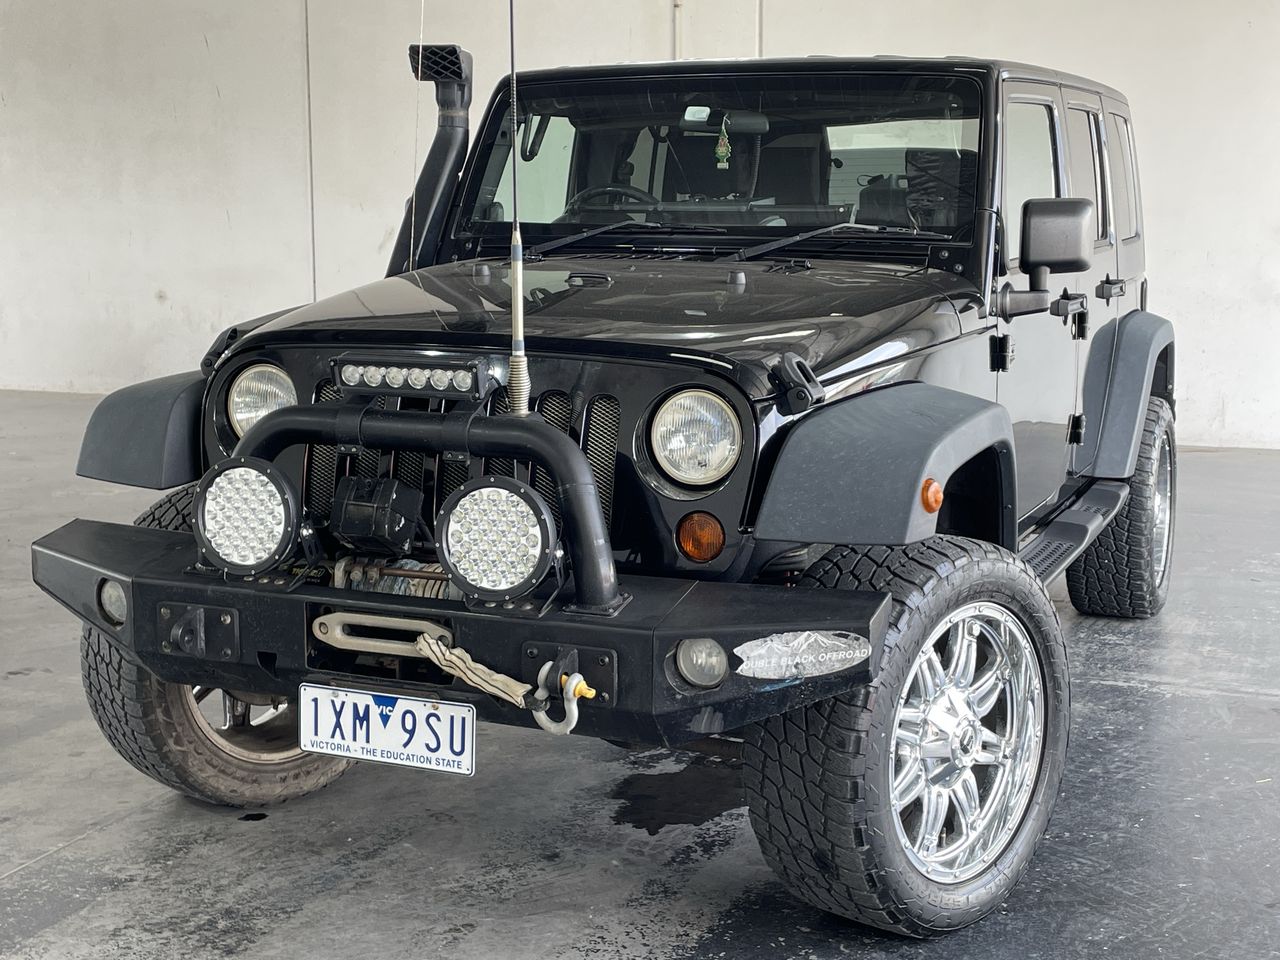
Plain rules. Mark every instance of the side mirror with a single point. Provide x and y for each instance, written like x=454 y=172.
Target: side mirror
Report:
x=1057 y=237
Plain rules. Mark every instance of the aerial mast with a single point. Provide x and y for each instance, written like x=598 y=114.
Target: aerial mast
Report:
x=518 y=381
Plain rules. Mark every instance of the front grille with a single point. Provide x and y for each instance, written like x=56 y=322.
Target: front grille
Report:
x=594 y=427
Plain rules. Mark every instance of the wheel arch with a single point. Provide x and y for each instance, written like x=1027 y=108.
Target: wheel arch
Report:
x=1131 y=359
x=854 y=472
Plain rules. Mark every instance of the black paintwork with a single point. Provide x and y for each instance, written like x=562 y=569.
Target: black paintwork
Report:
x=680 y=312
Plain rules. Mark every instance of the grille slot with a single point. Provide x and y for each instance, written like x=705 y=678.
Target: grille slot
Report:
x=322 y=463
x=600 y=443
x=557 y=409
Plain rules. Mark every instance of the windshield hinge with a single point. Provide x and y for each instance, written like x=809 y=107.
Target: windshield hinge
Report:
x=1001 y=351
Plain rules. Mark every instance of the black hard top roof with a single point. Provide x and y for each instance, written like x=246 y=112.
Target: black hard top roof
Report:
x=824 y=64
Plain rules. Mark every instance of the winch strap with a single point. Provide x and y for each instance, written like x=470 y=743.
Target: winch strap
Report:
x=456 y=661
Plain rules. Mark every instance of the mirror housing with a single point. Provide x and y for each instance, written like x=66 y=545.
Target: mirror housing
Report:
x=1056 y=238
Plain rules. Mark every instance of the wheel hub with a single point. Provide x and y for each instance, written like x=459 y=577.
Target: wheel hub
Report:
x=967 y=742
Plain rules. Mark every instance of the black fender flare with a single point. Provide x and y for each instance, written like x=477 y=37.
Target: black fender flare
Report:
x=147 y=434
x=1118 y=381
x=853 y=472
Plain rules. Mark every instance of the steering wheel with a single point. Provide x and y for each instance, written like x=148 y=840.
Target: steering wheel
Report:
x=622 y=189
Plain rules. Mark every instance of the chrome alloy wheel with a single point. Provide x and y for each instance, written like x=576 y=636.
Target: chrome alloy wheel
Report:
x=967 y=742
x=259 y=730
x=1162 y=505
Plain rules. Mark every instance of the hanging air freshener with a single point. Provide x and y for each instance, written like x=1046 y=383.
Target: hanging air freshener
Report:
x=723 y=150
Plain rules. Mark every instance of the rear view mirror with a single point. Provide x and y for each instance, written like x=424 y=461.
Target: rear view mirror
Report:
x=1057 y=237
x=699 y=119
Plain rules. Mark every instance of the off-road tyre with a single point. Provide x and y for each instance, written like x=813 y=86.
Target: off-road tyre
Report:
x=152 y=725
x=1117 y=575
x=817 y=779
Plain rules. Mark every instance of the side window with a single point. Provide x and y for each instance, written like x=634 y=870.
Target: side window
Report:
x=1086 y=176
x=1123 y=176
x=1029 y=169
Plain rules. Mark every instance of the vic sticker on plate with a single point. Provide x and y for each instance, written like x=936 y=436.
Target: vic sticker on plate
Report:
x=804 y=653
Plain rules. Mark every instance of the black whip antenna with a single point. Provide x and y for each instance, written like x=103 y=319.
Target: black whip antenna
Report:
x=518 y=381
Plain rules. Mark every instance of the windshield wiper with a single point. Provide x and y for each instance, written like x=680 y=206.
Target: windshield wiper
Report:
x=746 y=253
x=556 y=244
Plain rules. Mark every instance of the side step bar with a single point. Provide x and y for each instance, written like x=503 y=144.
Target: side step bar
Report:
x=1067 y=535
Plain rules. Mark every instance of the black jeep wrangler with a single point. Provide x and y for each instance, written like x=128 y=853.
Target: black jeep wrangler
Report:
x=831 y=366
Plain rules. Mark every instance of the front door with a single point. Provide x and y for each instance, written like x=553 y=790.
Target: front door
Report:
x=1039 y=387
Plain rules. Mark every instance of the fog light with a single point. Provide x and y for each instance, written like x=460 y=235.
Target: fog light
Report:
x=246 y=516
x=496 y=537
x=112 y=602
x=702 y=661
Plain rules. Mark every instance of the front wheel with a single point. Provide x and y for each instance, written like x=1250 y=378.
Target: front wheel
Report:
x=914 y=804
x=220 y=746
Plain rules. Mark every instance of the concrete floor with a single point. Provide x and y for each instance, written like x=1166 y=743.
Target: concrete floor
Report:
x=1164 y=843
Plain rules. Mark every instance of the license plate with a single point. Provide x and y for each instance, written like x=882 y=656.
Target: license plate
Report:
x=408 y=731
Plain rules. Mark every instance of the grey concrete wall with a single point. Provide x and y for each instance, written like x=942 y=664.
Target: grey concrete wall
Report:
x=159 y=160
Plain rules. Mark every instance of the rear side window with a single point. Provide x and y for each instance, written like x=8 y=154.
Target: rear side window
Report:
x=1086 y=175
x=1029 y=169
x=1123 y=176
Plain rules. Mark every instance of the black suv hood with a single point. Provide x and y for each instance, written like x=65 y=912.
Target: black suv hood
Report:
x=675 y=310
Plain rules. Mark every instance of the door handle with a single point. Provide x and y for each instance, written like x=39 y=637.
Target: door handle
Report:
x=1109 y=288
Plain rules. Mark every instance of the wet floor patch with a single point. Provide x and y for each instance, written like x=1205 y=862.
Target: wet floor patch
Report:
x=697 y=793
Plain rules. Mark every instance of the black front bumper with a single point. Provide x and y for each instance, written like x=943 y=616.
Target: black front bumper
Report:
x=254 y=634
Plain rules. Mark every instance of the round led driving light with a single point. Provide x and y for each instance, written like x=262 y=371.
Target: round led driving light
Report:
x=351 y=374
x=246 y=516
x=417 y=378
x=440 y=379
x=395 y=376
x=696 y=438
x=112 y=602
x=462 y=380
x=702 y=662
x=255 y=392
x=496 y=538
x=373 y=375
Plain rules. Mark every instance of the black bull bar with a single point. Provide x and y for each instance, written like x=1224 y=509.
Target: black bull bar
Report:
x=189 y=625
x=528 y=438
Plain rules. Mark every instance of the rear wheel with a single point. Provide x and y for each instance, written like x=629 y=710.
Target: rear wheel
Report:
x=914 y=804
x=1125 y=571
x=220 y=746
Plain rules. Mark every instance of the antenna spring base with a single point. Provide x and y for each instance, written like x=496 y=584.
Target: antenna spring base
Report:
x=518 y=385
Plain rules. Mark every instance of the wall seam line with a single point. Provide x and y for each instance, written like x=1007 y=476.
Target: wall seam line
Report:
x=311 y=143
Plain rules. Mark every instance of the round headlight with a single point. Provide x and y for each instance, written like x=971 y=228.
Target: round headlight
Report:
x=257 y=391
x=696 y=438
x=496 y=538
x=245 y=516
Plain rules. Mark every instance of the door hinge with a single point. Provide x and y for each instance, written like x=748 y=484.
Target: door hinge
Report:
x=1001 y=351
x=1075 y=429
x=1109 y=288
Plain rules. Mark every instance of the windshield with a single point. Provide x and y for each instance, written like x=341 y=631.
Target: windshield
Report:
x=764 y=155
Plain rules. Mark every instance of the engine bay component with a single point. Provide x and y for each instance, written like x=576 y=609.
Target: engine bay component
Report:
x=376 y=515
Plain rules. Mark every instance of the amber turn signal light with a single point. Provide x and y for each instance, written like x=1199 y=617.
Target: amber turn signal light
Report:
x=700 y=537
x=931 y=496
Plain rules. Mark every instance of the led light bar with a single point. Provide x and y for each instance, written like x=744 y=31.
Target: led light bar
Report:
x=430 y=376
